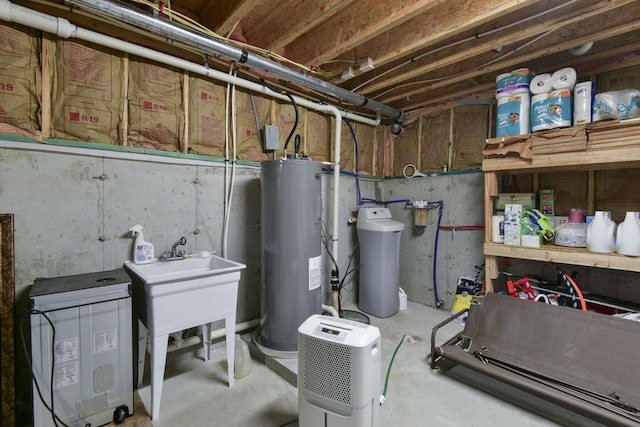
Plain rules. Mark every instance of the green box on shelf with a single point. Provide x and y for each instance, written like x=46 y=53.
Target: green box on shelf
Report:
x=548 y=202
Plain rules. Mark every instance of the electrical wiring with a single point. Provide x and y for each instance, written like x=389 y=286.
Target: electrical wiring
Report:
x=54 y=417
x=229 y=181
x=191 y=23
x=436 y=79
x=459 y=42
x=347 y=273
x=295 y=108
x=357 y=173
x=325 y=242
x=255 y=116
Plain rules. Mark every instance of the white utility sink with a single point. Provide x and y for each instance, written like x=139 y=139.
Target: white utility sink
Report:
x=170 y=296
x=183 y=269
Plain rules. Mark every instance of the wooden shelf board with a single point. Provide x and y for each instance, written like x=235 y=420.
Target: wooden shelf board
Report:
x=564 y=255
x=618 y=158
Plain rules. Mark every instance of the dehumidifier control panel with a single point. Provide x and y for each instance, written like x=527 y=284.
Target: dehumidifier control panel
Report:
x=331 y=333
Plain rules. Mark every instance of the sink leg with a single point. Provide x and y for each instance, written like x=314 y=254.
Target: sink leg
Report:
x=158 y=359
x=206 y=341
x=230 y=327
x=142 y=350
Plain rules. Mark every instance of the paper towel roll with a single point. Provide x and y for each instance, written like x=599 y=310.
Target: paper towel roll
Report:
x=497 y=229
x=582 y=102
x=513 y=115
x=551 y=110
x=541 y=84
x=564 y=78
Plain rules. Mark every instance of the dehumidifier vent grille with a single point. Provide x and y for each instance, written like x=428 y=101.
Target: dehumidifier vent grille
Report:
x=327 y=369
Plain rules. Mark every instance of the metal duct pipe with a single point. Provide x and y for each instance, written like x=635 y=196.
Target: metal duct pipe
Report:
x=207 y=44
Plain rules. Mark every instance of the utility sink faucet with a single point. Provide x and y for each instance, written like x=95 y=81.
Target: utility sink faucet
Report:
x=174 y=248
x=175 y=254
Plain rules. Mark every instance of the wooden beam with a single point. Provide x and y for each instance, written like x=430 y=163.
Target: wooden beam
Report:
x=516 y=60
x=223 y=16
x=288 y=23
x=361 y=22
x=514 y=35
x=485 y=91
x=441 y=24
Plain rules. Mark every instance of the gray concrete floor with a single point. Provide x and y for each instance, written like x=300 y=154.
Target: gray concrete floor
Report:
x=196 y=392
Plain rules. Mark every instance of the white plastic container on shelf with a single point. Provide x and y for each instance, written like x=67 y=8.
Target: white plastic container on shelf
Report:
x=601 y=233
x=628 y=236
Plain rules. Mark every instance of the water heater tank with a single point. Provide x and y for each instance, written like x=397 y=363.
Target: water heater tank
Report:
x=291 y=212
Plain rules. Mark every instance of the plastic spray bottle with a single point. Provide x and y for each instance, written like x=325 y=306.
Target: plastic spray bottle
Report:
x=142 y=251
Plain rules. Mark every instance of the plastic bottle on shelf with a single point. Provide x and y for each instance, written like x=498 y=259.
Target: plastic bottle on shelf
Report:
x=628 y=236
x=601 y=233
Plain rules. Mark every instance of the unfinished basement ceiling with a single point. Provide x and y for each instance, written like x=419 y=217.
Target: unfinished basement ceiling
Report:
x=427 y=54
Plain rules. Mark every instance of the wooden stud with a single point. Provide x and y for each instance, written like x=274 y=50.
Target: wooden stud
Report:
x=45 y=102
x=591 y=193
x=7 y=324
x=184 y=144
x=124 y=128
x=419 y=138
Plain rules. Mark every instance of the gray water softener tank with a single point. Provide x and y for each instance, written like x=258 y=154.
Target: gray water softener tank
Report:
x=379 y=238
x=291 y=215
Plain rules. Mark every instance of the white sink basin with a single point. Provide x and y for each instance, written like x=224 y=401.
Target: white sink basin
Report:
x=170 y=296
x=183 y=269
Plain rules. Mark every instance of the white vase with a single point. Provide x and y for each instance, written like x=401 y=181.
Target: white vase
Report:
x=601 y=233
x=628 y=236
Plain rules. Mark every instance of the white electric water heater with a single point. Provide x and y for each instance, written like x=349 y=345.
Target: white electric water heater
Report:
x=338 y=373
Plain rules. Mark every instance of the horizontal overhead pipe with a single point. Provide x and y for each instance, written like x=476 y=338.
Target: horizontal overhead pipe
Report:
x=213 y=46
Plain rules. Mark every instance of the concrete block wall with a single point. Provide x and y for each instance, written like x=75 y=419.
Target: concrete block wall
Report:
x=73 y=208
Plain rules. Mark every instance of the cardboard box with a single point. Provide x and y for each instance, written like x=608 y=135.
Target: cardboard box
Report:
x=512 y=221
x=531 y=240
x=557 y=221
x=527 y=200
x=548 y=202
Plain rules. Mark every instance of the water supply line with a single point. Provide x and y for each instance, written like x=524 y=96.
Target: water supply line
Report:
x=209 y=45
x=439 y=302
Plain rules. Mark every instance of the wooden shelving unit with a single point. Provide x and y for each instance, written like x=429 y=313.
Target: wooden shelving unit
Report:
x=592 y=158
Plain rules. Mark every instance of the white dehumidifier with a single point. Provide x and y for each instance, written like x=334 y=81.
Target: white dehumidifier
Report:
x=338 y=373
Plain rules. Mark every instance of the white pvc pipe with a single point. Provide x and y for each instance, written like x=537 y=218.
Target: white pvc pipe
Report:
x=331 y=310
x=218 y=333
x=63 y=28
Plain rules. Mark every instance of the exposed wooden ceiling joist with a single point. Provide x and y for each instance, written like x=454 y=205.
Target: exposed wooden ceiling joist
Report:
x=413 y=43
